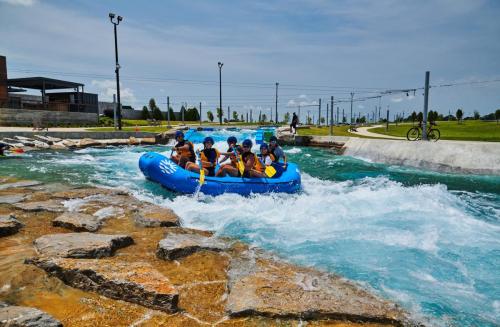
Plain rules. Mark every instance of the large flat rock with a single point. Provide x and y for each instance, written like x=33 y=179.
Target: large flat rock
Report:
x=80 y=245
x=14 y=316
x=150 y=215
x=11 y=199
x=133 y=282
x=276 y=289
x=179 y=244
x=20 y=184
x=86 y=192
x=49 y=205
x=9 y=225
x=78 y=222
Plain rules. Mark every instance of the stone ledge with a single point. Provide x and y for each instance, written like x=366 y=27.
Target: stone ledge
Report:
x=9 y=225
x=177 y=245
x=15 y=316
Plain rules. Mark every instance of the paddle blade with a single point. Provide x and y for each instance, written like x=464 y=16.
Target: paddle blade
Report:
x=241 y=166
x=202 y=176
x=18 y=150
x=270 y=171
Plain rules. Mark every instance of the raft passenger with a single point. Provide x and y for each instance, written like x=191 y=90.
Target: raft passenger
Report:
x=208 y=156
x=3 y=147
x=184 y=149
x=276 y=150
x=248 y=159
x=264 y=159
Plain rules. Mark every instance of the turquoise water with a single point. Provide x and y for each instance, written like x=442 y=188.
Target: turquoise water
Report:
x=427 y=240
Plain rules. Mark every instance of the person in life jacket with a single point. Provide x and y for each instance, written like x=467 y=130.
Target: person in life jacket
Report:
x=231 y=153
x=276 y=150
x=208 y=158
x=3 y=147
x=264 y=159
x=185 y=150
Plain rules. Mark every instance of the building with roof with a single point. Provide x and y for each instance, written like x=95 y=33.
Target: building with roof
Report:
x=59 y=103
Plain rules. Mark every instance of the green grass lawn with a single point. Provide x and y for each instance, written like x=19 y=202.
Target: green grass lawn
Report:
x=325 y=130
x=469 y=130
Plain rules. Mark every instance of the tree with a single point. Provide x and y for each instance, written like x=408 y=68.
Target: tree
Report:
x=192 y=114
x=260 y=116
x=476 y=115
x=459 y=115
x=322 y=120
x=235 y=116
x=145 y=113
x=183 y=112
x=172 y=114
x=242 y=118
x=413 y=117
x=220 y=113
x=155 y=111
x=210 y=116
x=286 y=118
x=420 y=117
x=264 y=118
x=497 y=115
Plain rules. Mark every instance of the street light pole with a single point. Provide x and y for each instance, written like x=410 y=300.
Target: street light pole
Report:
x=117 y=69
x=276 y=116
x=220 y=64
x=352 y=96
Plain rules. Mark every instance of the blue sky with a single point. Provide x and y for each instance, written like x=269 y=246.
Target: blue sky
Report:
x=314 y=49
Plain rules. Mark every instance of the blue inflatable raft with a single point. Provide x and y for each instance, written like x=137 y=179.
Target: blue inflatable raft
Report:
x=161 y=169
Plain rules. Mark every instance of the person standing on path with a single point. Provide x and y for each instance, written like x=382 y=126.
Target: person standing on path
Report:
x=293 y=125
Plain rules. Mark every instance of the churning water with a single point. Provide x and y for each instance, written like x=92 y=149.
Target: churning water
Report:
x=427 y=240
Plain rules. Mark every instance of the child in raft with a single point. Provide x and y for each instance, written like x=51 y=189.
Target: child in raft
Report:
x=185 y=151
x=253 y=165
x=208 y=158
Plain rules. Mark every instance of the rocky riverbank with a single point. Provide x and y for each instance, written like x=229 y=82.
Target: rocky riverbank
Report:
x=95 y=257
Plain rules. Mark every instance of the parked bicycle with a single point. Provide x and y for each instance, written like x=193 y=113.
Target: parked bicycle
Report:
x=415 y=133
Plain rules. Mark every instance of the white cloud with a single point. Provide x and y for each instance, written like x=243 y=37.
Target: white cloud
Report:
x=397 y=99
x=25 y=3
x=360 y=106
x=106 y=89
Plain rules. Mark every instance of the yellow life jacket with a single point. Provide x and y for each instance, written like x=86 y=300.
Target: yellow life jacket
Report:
x=189 y=152
x=209 y=162
x=259 y=165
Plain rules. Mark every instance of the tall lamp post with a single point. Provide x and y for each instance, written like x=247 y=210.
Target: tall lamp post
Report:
x=220 y=64
x=117 y=70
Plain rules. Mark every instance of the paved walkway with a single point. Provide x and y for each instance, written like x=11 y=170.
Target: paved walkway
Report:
x=55 y=129
x=364 y=132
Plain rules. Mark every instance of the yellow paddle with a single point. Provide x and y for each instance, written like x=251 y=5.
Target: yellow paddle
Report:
x=202 y=171
x=270 y=171
x=239 y=162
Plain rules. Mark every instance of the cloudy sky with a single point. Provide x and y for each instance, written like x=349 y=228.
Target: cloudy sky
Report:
x=314 y=49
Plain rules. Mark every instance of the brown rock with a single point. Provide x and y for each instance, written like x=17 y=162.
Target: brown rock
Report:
x=276 y=289
x=78 y=222
x=80 y=245
x=148 y=140
x=20 y=184
x=11 y=199
x=178 y=245
x=9 y=225
x=88 y=142
x=14 y=316
x=133 y=141
x=133 y=282
x=49 y=205
x=150 y=215
x=85 y=192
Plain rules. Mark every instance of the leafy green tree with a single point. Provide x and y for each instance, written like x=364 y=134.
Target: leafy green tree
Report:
x=260 y=116
x=192 y=114
x=344 y=119
x=362 y=120
x=264 y=118
x=413 y=117
x=172 y=114
x=242 y=118
x=235 y=116
x=210 y=116
x=497 y=115
x=476 y=115
x=460 y=115
x=145 y=113
x=322 y=120
x=183 y=112
x=220 y=113
x=155 y=111
x=286 y=118
x=420 y=117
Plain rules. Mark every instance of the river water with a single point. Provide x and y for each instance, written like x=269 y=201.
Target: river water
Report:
x=426 y=240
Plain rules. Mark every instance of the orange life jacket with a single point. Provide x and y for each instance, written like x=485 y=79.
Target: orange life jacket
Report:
x=260 y=164
x=189 y=152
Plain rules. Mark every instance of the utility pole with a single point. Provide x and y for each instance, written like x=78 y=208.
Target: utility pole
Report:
x=327 y=122
x=115 y=123
x=426 y=106
x=247 y=116
x=228 y=114
x=168 y=111
x=299 y=112
x=331 y=116
x=343 y=115
x=352 y=97
x=200 y=115
x=319 y=112
x=220 y=64
x=183 y=112
x=387 y=120
x=276 y=108
x=338 y=115
x=251 y=116
x=117 y=69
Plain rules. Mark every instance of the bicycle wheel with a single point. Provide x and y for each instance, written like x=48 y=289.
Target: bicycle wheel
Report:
x=413 y=134
x=434 y=135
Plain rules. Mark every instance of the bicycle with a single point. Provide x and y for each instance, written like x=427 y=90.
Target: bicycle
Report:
x=414 y=133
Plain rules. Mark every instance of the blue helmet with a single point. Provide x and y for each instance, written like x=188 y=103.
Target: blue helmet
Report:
x=178 y=134
x=273 y=139
x=247 y=143
x=264 y=146
x=208 y=139
x=232 y=139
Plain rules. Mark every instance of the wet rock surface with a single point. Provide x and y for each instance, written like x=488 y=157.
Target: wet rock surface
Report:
x=80 y=245
x=150 y=215
x=178 y=244
x=263 y=286
x=20 y=184
x=9 y=225
x=78 y=222
x=137 y=283
x=49 y=205
x=86 y=192
x=11 y=199
x=16 y=316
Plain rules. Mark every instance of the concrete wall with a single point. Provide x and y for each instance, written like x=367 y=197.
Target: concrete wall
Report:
x=445 y=156
x=23 y=117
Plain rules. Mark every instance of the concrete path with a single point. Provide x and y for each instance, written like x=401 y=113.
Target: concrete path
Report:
x=54 y=129
x=364 y=132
